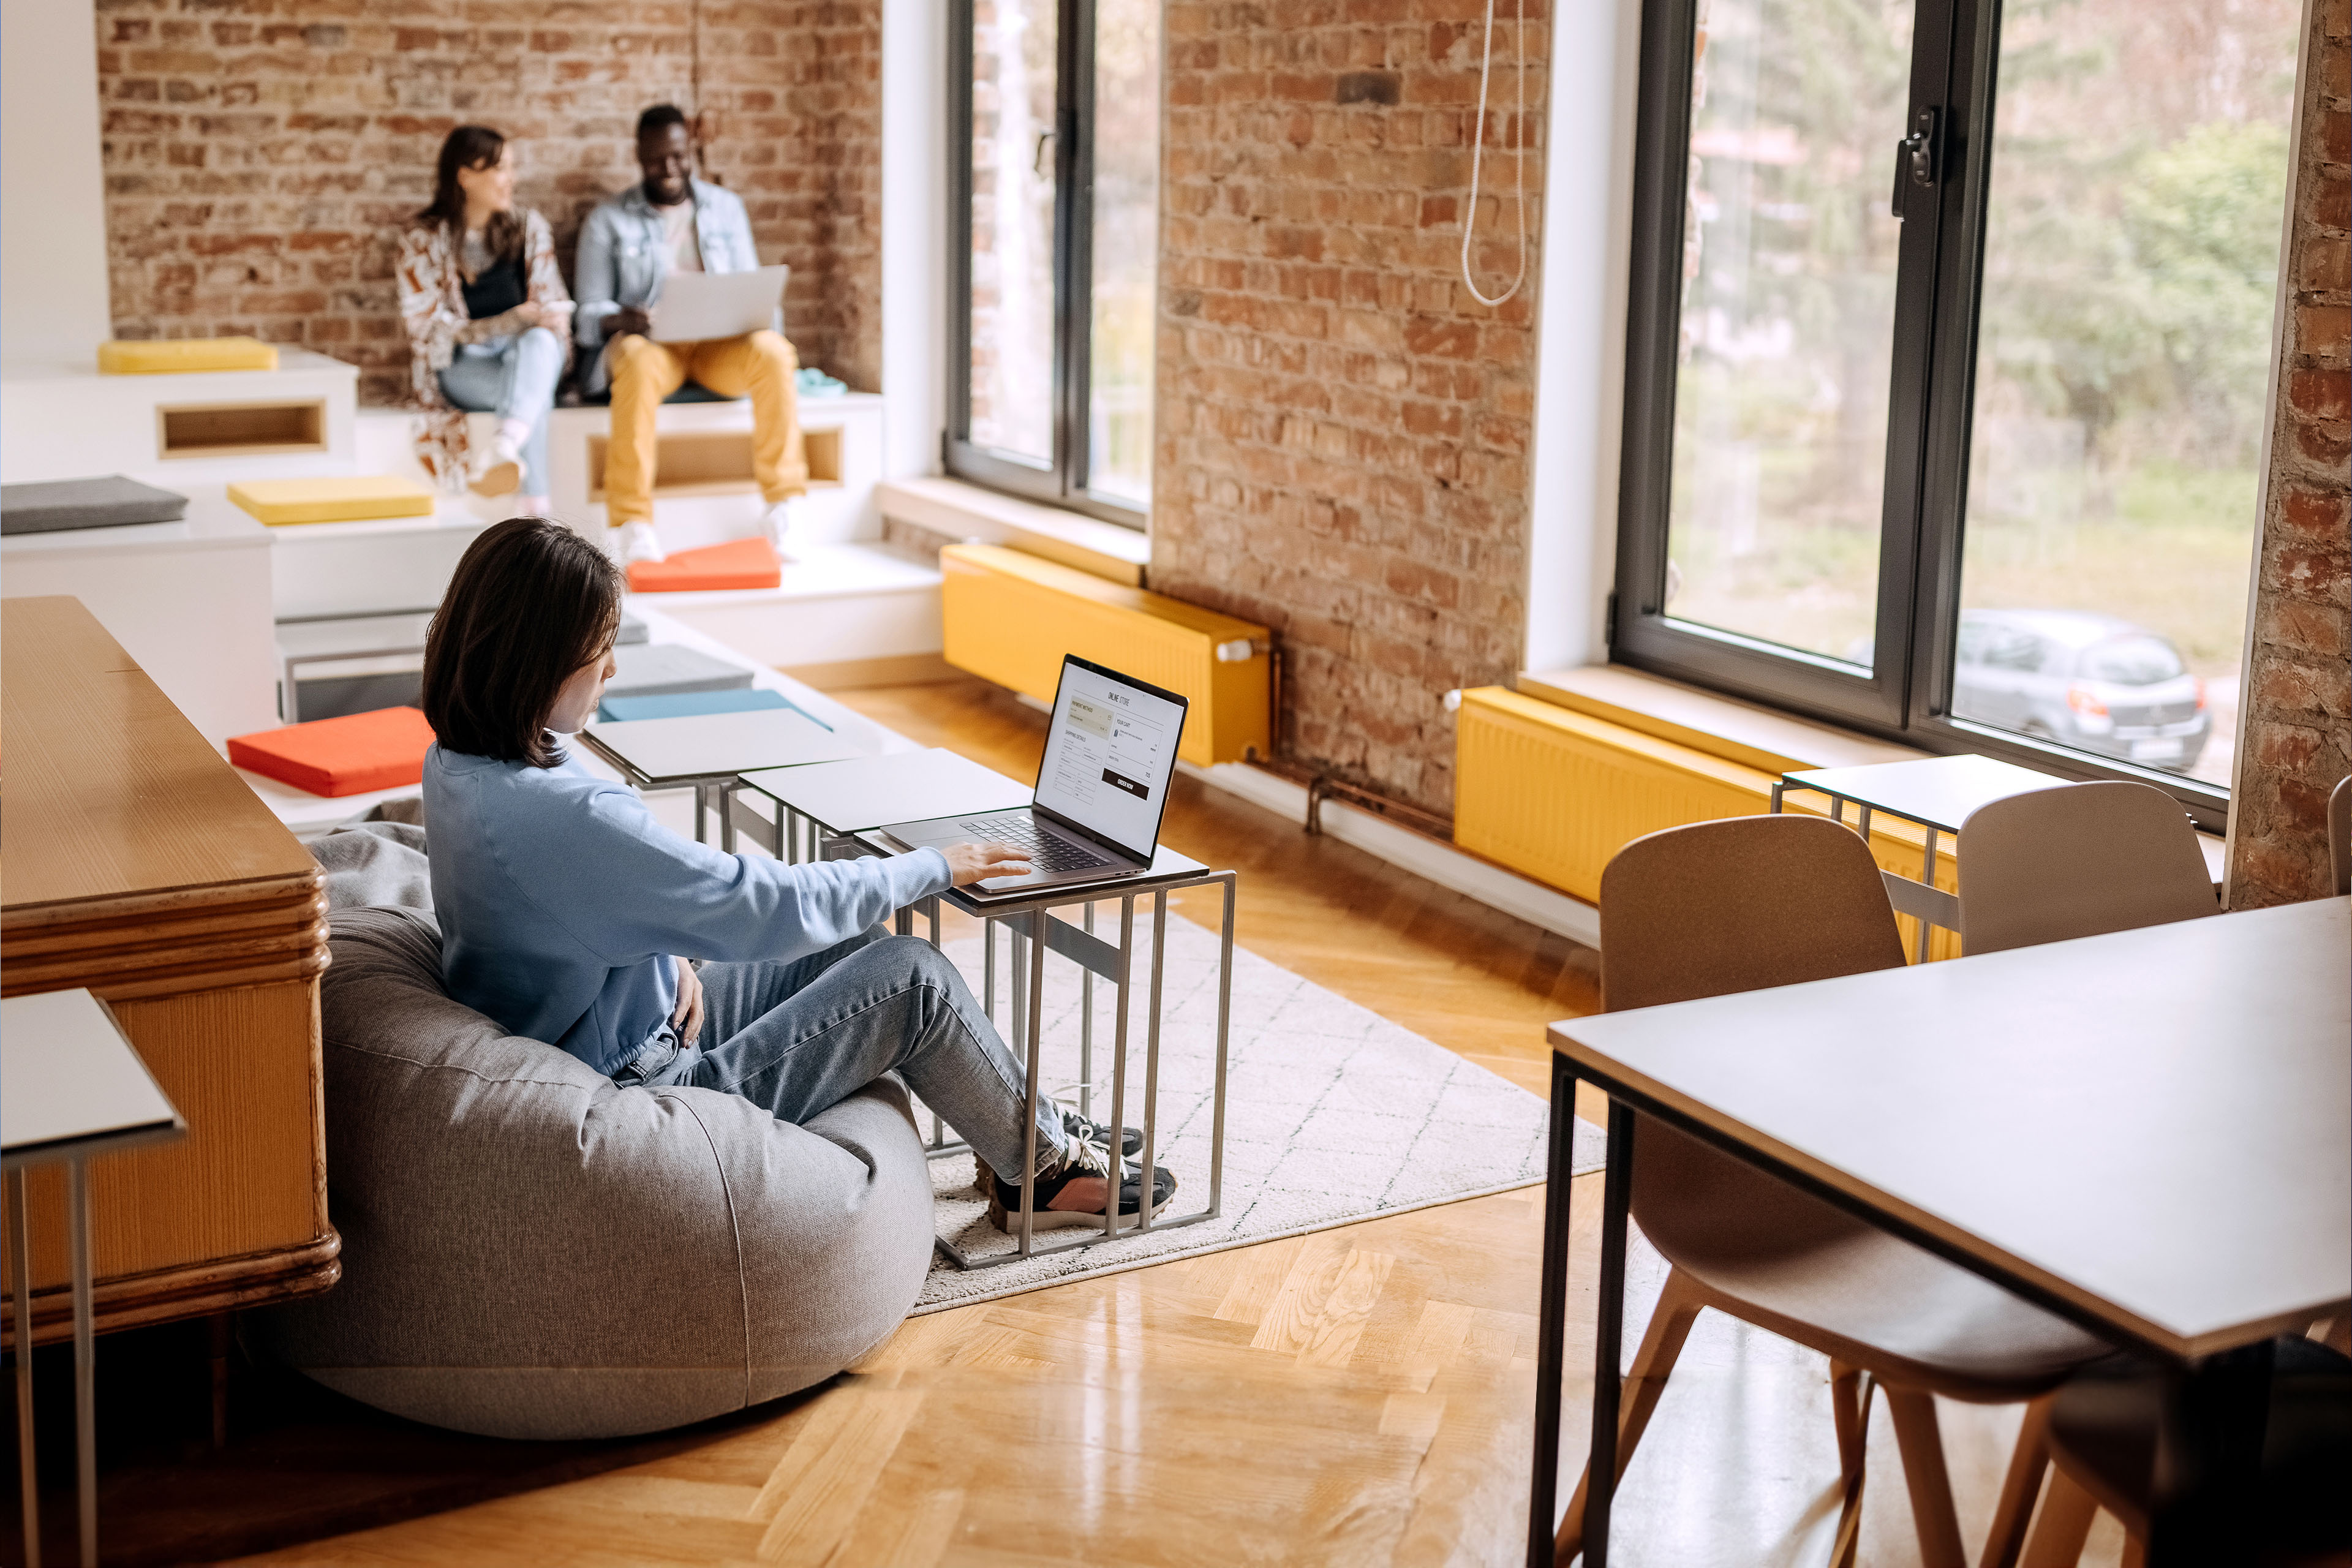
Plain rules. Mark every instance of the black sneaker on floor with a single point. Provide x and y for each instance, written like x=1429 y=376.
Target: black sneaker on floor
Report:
x=1075 y=1195
x=1080 y=1129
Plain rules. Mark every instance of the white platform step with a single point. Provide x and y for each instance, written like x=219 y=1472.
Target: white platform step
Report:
x=842 y=602
x=68 y=422
x=189 y=600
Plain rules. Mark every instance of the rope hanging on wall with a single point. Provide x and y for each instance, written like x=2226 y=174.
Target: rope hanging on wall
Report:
x=1478 y=148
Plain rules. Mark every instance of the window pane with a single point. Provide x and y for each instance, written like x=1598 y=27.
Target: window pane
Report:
x=1787 y=320
x=1125 y=247
x=2131 y=259
x=1012 y=54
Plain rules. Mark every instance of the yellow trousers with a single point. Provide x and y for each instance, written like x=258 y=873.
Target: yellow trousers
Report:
x=759 y=364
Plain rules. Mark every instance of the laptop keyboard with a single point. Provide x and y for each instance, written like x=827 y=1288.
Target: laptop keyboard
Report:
x=1044 y=851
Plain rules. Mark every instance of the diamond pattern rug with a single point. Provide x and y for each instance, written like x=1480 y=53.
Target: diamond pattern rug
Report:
x=1333 y=1114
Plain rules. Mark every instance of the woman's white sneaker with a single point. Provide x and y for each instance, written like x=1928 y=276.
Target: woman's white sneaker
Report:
x=638 y=543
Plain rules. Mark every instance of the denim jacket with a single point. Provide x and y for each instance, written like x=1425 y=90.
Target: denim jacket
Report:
x=624 y=256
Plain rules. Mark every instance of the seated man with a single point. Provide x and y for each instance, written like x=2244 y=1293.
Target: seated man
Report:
x=675 y=223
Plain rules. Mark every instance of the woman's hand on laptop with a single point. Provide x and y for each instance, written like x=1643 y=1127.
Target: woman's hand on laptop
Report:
x=970 y=863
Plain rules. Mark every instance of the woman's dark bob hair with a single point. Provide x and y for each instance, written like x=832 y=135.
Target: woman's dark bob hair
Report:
x=529 y=602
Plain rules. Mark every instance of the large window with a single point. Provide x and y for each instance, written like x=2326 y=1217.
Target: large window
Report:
x=1055 y=232
x=1951 y=322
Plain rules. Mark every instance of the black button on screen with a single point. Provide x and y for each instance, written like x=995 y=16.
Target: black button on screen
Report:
x=1129 y=785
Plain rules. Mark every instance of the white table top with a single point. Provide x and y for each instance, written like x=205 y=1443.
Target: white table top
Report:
x=2154 y=1125
x=910 y=786
x=1940 y=792
x=714 y=746
x=71 y=1084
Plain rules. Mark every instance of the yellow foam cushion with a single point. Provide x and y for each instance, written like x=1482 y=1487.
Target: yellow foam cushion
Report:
x=340 y=498
x=171 y=356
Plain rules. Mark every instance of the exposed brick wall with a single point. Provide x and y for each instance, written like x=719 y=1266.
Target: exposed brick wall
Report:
x=1343 y=430
x=261 y=154
x=2298 y=738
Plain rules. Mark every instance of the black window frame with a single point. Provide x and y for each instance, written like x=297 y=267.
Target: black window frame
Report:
x=1062 y=482
x=1905 y=696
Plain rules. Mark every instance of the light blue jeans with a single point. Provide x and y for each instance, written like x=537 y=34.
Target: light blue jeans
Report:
x=799 y=1037
x=514 y=378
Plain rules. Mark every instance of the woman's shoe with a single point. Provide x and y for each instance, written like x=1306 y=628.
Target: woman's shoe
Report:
x=1079 y=1130
x=1076 y=1194
x=501 y=475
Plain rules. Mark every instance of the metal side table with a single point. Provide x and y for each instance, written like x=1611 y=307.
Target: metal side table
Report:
x=1938 y=794
x=792 y=813
x=71 y=1088
x=706 y=752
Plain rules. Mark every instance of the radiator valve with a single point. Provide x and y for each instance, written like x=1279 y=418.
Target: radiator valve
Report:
x=1452 y=700
x=1241 y=650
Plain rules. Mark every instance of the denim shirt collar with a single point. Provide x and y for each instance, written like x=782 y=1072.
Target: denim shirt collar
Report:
x=634 y=201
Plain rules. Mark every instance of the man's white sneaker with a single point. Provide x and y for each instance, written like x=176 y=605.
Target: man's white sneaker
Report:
x=639 y=542
x=776 y=523
x=502 y=473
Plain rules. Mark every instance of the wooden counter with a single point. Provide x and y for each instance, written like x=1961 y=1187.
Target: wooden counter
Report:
x=135 y=862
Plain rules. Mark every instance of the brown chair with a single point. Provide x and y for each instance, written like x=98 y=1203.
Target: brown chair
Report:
x=1739 y=905
x=2078 y=860
x=2339 y=834
x=2098 y=1435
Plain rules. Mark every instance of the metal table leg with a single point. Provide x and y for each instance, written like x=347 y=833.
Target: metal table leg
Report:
x=1119 y=1052
x=1551 y=1317
x=1928 y=879
x=1035 y=985
x=1224 y=1031
x=1087 y=1027
x=1616 y=1192
x=20 y=1274
x=1152 y=1053
x=2209 y=1458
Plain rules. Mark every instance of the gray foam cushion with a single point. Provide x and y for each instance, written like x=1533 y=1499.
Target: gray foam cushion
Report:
x=111 y=503
x=529 y=1251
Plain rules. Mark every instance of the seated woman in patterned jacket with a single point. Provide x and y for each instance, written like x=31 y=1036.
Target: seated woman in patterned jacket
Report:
x=488 y=320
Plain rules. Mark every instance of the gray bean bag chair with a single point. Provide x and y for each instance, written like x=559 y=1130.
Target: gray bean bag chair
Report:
x=529 y=1251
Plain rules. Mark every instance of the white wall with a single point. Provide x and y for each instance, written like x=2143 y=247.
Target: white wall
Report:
x=1581 y=344
x=914 y=235
x=53 y=299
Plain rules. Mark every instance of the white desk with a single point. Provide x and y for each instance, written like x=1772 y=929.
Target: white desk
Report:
x=706 y=752
x=1937 y=793
x=2147 y=1133
x=867 y=792
x=70 y=1089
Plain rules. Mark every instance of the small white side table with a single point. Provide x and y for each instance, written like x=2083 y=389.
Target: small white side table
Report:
x=71 y=1088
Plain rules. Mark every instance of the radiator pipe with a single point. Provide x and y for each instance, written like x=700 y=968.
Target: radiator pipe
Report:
x=1321 y=785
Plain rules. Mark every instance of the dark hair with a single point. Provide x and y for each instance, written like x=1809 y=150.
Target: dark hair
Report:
x=660 y=117
x=529 y=604
x=471 y=147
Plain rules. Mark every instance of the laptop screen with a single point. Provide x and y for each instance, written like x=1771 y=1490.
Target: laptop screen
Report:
x=1109 y=755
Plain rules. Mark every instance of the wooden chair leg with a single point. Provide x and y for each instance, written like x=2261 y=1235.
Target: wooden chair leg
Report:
x=1670 y=1325
x=1851 y=1389
x=1922 y=1444
x=2334 y=1332
x=2014 y=1513
x=2064 y=1524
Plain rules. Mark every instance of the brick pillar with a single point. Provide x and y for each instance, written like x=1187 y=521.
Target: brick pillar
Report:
x=2298 y=706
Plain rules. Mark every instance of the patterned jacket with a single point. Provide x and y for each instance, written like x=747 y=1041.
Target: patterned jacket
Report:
x=432 y=308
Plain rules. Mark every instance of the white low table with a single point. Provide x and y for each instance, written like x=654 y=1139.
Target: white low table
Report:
x=707 y=752
x=1937 y=793
x=853 y=795
x=2148 y=1133
x=71 y=1088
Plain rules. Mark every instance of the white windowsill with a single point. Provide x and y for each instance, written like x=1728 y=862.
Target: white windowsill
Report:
x=968 y=511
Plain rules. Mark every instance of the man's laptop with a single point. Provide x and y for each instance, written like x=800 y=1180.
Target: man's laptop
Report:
x=1095 y=817
x=696 y=306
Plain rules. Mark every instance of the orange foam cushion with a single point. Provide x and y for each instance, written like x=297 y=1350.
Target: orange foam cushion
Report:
x=738 y=564
x=350 y=755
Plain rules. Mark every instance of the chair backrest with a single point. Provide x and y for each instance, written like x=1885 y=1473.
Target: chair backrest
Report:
x=1737 y=905
x=1714 y=908
x=2078 y=860
x=2339 y=833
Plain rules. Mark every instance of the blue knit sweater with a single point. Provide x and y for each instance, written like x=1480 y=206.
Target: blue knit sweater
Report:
x=564 y=906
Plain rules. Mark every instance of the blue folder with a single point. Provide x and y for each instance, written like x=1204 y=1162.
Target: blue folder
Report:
x=692 y=704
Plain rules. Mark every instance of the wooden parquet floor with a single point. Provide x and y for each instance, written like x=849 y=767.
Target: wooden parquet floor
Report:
x=1360 y=1395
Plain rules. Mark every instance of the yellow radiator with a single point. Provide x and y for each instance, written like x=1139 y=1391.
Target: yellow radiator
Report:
x=1009 y=617
x=1553 y=794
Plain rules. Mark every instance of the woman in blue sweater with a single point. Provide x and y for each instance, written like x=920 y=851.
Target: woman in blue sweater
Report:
x=569 y=915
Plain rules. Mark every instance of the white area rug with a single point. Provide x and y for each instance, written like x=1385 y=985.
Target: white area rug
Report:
x=1333 y=1114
